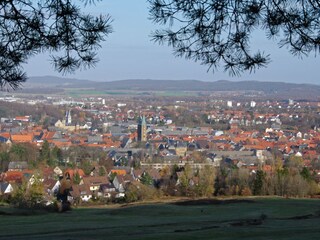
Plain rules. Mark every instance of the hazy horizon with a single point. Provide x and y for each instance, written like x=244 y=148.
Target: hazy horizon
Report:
x=71 y=77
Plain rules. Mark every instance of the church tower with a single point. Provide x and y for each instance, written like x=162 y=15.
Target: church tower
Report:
x=142 y=129
x=68 y=117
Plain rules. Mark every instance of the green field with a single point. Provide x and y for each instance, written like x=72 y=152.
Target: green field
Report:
x=93 y=92
x=229 y=219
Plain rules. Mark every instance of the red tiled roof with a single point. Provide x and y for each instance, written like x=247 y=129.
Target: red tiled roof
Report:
x=119 y=171
x=13 y=176
x=5 y=135
x=72 y=172
x=22 y=137
x=61 y=144
x=48 y=135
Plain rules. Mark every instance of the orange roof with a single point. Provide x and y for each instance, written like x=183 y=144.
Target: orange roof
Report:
x=72 y=172
x=187 y=138
x=61 y=144
x=257 y=147
x=119 y=171
x=94 y=145
x=5 y=135
x=13 y=176
x=133 y=135
x=48 y=135
x=22 y=137
x=239 y=139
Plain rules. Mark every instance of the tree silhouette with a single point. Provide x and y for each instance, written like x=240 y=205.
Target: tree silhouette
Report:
x=55 y=26
x=258 y=182
x=216 y=32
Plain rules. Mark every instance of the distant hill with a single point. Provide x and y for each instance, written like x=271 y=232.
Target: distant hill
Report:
x=51 y=81
x=268 y=88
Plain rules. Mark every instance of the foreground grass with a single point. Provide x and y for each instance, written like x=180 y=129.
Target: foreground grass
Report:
x=229 y=219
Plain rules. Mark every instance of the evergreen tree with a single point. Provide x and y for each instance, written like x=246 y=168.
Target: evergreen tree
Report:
x=146 y=179
x=59 y=27
x=4 y=161
x=305 y=173
x=45 y=153
x=258 y=183
x=218 y=33
x=56 y=154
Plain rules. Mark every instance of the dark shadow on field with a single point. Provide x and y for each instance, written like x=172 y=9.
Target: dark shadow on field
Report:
x=211 y=202
x=23 y=212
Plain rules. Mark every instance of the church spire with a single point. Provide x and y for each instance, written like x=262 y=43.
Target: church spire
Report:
x=142 y=129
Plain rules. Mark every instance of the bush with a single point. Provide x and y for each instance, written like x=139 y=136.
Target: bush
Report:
x=28 y=195
x=246 y=192
x=139 y=192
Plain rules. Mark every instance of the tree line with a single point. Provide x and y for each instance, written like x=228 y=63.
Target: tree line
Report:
x=286 y=178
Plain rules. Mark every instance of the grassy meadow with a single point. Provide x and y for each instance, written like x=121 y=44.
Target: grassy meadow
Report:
x=203 y=219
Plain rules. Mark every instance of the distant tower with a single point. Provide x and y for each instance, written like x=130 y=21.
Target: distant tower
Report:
x=253 y=104
x=68 y=117
x=142 y=129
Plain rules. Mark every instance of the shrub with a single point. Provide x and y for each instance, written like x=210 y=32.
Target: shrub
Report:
x=246 y=192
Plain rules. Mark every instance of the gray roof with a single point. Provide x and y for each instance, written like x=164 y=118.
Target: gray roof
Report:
x=233 y=153
x=95 y=139
x=3 y=186
x=18 y=165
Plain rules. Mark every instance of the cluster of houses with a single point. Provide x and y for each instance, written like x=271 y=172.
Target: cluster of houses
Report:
x=166 y=148
x=80 y=187
x=161 y=144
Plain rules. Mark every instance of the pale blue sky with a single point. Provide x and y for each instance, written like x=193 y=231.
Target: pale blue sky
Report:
x=129 y=53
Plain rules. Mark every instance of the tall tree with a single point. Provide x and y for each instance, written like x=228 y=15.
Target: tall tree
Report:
x=258 y=183
x=57 y=154
x=184 y=180
x=45 y=152
x=216 y=32
x=220 y=184
x=59 y=27
x=4 y=161
x=206 y=182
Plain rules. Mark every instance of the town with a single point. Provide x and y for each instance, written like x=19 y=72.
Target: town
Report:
x=108 y=149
